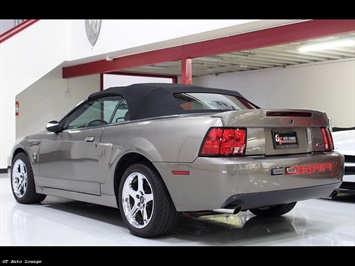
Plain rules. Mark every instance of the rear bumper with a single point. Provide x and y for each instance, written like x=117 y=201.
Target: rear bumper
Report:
x=214 y=183
x=256 y=200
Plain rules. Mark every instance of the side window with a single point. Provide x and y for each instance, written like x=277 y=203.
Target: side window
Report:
x=98 y=112
x=188 y=102
x=121 y=113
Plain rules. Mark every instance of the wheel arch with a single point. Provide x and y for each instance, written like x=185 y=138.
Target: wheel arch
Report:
x=126 y=161
x=22 y=148
x=19 y=150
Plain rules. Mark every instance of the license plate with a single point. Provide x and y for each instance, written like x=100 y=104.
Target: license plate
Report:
x=284 y=139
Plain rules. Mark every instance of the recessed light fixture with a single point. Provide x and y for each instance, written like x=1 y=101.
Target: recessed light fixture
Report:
x=109 y=58
x=327 y=45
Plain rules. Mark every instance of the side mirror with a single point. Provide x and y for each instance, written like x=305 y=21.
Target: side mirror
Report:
x=52 y=126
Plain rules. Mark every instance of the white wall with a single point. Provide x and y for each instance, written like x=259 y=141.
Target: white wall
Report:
x=50 y=99
x=24 y=59
x=326 y=87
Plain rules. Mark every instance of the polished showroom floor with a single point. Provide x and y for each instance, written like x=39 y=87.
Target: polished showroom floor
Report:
x=61 y=222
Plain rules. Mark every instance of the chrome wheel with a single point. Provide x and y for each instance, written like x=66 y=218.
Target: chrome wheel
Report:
x=145 y=204
x=22 y=181
x=137 y=200
x=19 y=178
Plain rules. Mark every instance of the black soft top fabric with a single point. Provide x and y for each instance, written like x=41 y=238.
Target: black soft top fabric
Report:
x=156 y=99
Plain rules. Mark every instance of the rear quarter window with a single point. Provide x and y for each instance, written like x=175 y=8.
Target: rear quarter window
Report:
x=211 y=101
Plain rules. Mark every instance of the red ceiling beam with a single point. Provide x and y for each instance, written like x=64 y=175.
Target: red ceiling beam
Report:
x=103 y=66
x=251 y=40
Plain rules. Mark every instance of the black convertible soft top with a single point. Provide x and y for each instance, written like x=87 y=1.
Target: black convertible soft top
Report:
x=156 y=99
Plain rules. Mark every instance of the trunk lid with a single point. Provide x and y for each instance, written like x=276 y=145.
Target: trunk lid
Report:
x=276 y=132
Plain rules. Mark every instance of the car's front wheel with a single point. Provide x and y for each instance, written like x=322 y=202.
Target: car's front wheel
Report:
x=273 y=211
x=144 y=202
x=22 y=181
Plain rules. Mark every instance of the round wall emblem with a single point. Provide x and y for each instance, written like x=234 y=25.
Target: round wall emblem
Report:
x=92 y=27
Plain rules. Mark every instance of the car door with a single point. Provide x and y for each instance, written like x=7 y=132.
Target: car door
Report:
x=73 y=158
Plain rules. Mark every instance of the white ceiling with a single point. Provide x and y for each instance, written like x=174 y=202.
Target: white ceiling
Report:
x=280 y=56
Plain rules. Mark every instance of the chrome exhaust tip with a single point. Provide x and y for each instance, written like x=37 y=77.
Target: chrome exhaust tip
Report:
x=334 y=194
x=229 y=211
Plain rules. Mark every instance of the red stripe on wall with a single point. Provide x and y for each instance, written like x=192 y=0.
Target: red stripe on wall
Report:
x=18 y=28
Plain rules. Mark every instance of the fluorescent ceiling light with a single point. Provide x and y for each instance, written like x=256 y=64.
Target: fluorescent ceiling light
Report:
x=154 y=67
x=210 y=59
x=326 y=45
x=226 y=68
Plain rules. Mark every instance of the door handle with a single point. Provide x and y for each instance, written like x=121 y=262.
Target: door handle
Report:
x=89 y=139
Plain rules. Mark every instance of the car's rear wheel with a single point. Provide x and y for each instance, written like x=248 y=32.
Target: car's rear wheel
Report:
x=144 y=202
x=273 y=211
x=22 y=181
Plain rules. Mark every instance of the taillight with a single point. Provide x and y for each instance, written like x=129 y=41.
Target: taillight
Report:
x=224 y=142
x=327 y=139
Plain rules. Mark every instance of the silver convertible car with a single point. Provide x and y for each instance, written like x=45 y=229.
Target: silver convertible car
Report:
x=344 y=142
x=157 y=151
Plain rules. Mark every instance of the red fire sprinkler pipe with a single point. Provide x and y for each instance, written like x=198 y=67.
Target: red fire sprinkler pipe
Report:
x=186 y=71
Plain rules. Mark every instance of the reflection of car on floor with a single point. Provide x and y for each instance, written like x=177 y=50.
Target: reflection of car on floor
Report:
x=156 y=151
x=344 y=142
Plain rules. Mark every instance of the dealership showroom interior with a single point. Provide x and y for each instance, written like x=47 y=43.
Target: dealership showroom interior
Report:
x=242 y=132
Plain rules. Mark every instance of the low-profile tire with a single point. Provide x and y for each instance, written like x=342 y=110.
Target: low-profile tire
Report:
x=145 y=204
x=22 y=181
x=273 y=211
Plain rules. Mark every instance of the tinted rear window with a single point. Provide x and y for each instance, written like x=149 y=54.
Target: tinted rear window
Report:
x=211 y=101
